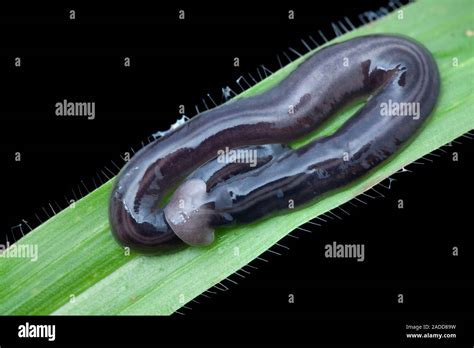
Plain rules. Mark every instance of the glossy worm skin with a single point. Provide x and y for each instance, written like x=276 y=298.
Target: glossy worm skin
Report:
x=387 y=69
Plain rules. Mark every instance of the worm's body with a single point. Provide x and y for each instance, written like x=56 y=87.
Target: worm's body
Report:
x=396 y=73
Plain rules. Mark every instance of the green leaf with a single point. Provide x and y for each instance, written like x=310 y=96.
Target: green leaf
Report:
x=82 y=270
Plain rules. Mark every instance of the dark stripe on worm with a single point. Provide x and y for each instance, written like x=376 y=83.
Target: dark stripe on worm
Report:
x=385 y=68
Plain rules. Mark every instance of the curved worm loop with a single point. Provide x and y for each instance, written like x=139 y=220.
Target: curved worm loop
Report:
x=389 y=70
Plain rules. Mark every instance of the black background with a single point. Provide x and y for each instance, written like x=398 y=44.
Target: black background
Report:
x=176 y=62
